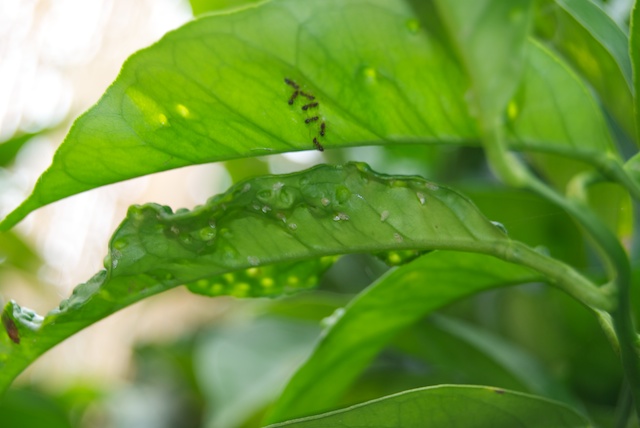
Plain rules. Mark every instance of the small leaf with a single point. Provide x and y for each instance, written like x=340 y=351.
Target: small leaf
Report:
x=241 y=368
x=491 y=38
x=450 y=406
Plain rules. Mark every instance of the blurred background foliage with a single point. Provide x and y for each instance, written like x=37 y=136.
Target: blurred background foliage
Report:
x=221 y=362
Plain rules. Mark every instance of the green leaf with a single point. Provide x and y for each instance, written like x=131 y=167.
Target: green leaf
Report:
x=597 y=49
x=369 y=322
x=314 y=214
x=203 y=6
x=227 y=245
x=554 y=90
x=493 y=27
x=197 y=96
x=450 y=406
x=634 y=50
x=31 y=408
x=512 y=359
x=10 y=148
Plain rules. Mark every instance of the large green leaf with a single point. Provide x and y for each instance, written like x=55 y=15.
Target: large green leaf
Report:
x=381 y=72
x=536 y=121
x=223 y=246
x=596 y=47
x=367 y=324
x=450 y=406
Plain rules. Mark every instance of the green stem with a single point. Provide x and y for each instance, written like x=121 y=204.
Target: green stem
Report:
x=559 y=275
x=516 y=174
x=619 y=267
x=612 y=169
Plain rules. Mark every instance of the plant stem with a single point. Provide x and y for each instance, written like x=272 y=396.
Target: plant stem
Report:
x=625 y=407
x=512 y=171
x=613 y=254
x=560 y=275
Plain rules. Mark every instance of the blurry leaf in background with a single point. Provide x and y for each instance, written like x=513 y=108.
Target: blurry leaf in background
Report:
x=566 y=338
x=242 y=368
x=300 y=219
x=203 y=6
x=450 y=406
x=163 y=393
x=398 y=299
x=16 y=253
x=596 y=48
x=499 y=27
x=10 y=148
x=432 y=353
x=25 y=408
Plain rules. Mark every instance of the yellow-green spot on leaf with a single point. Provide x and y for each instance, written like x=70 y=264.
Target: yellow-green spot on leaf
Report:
x=342 y=194
x=229 y=277
x=182 y=110
x=202 y=283
x=253 y=272
x=327 y=261
x=267 y=282
x=151 y=111
x=394 y=259
x=370 y=73
x=217 y=288
x=293 y=280
x=512 y=110
x=241 y=290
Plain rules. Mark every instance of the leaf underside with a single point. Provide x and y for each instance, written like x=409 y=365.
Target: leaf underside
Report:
x=296 y=222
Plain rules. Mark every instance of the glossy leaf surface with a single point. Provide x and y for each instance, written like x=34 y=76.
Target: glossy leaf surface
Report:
x=450 y=406
x=221 y=247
